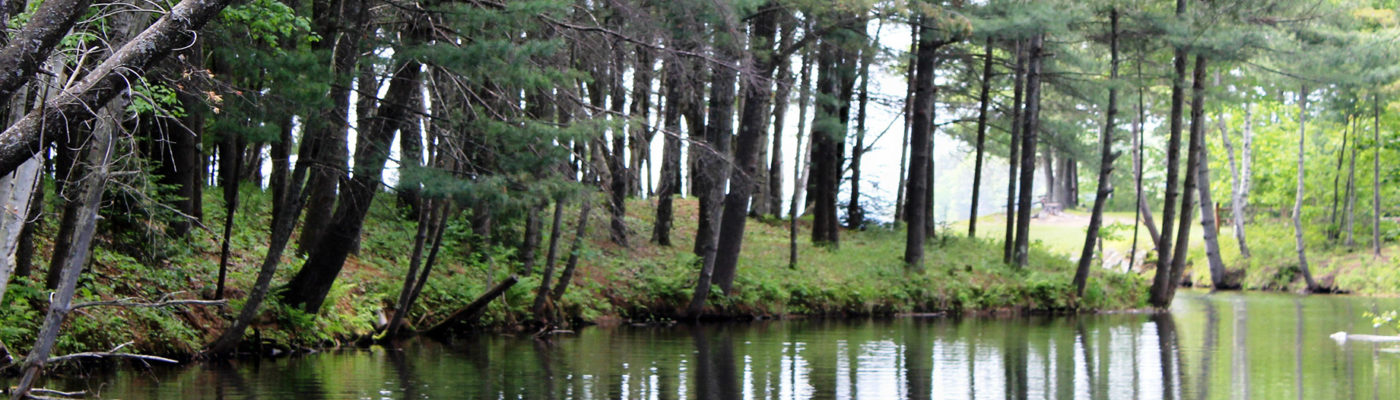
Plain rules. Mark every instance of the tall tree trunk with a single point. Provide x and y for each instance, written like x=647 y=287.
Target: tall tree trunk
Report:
x=983 y=99
x=1163 y=288
x=920 y=143
x=670 y=154
x=640 y=127
x=753 y=121
x=800 y=155
x=229 y=173
x=309 y=287
x=1298 y=197
x=781 y=99
x=715 y=167
x=835 y=80
x=1193 y=163
x=1139 y=204
x=1376 y=177
x=899 y=197
x=1013 y=158
x=1349 y=212
x=1210 y=227
x=1237 y=202
x=1106 y=157
x=1030 y=127
x=855 y=215
x=618 y=184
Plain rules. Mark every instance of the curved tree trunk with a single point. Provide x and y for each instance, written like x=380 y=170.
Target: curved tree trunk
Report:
x=1163 y=288
x=1210 y=227
x=1106 y=157
x=1237 y=194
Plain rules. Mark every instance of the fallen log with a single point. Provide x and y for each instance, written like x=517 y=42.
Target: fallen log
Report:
x=466 y=317
x=1343 y=337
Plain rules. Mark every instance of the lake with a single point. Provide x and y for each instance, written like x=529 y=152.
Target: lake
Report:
x=1211 y=346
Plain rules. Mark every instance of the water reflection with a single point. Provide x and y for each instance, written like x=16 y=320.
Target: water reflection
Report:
x=1227 y=346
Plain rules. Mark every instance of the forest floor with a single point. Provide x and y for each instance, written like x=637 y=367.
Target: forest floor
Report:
x=640 y=283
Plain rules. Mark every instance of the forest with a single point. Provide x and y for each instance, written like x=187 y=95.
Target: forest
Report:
x=206 y=178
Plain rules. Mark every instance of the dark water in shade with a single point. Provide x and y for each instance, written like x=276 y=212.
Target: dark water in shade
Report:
x=1226 y=346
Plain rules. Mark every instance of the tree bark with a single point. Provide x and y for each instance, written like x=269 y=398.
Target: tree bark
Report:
x=1210 y=227
x=899 y=197
x=567 y=275
x=1139 y=204
x=415 y=260
x=1106 y=157
x=855 y=215
x=1376 y=178
x=753 y=121
x=835 y=78
x=617 y=165
x=1349 y=212
x=1237 y=194
x=231 y=144
x=99 y=157
x=1334 y=230
x=1193 y=163
x=1163 y=288
x=984 y=98
x=801 y=155
x=1013 y=157
x=714 y=166
x=542 y=293
x=1030 y=126
x=920 y=143
x=1298 y=197
x=781 y=99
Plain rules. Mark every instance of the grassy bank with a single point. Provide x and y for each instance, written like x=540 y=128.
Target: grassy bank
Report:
x=641 y=282
x=1273 y=265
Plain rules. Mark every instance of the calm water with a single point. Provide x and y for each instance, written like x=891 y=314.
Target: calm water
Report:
x=1228 y=346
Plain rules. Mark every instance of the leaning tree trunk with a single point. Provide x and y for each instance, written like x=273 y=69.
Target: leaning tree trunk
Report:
x=753 y=121
x=1193 y=163
x=920 y=140
x=1030 y=125
x=1333 y=228
x=232 y=143
x=715 y=168
x=1299 y=245
x=1210 y=228
x=1162 y=290
x=1237 y=202
x=1106 y=157
x=981 y=139
x=542 y=293
x=61 y=302
x=1013 y=159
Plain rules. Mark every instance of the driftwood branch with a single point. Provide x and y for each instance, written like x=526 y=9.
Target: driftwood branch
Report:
x=42 y=394
x=109 y=354
x=130 y=302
